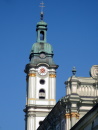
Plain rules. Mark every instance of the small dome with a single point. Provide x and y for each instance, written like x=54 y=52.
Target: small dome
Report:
x=41 y=26
x=41 y=23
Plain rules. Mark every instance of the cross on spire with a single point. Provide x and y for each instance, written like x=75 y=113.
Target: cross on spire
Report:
x=42 y=7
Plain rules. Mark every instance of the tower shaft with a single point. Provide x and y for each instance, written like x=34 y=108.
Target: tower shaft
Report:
x=41 y=80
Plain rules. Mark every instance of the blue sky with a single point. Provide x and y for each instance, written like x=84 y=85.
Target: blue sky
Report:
x=73 y=33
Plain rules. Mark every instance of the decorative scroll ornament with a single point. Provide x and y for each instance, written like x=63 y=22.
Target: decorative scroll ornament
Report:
x=94 y=71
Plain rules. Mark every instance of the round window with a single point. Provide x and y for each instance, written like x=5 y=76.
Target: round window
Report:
x=42 y=81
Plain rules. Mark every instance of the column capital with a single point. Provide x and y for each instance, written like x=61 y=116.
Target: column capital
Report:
x=67 y=115
x=73 y=114
x=31 y=115
x=52 y=75
x=32 y=74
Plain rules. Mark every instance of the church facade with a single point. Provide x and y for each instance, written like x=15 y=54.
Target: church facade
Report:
x=81 y=96
x=41 y=110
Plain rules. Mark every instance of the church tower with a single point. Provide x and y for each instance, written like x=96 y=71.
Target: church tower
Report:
x=40 y=79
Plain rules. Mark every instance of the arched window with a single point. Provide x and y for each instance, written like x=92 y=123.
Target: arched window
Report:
x=41 y=35
x=41 y=94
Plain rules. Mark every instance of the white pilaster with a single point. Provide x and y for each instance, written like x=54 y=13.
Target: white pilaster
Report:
x=52 y=88
x=67 y=121
x=30 y=122
x=31 y=88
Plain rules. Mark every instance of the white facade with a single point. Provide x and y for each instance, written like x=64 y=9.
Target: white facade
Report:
x=81 y=96
x=34 y=85
x=41 y=95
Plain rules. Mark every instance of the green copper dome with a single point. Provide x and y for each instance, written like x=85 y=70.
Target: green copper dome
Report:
x=41 y=23
x=42 y=47
x=41 y=51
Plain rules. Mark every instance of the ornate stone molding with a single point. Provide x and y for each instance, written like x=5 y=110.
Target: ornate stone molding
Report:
x=32 y=74
x=67 y=115
x=73 y=114
x=31 y=115
x=52 y=75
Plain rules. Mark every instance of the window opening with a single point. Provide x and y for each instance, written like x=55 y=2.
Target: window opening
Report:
x=41 y=35
x=42 y=81
x=41 y=94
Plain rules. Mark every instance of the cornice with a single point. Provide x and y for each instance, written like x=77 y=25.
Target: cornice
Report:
x=29 y=66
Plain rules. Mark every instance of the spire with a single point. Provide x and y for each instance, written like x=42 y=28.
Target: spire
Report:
x=42 y=12
x=41 y=16
x=41 y=51
x=74 y=71
x=41 y=27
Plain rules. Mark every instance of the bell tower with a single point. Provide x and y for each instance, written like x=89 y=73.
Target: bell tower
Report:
x=40 y=79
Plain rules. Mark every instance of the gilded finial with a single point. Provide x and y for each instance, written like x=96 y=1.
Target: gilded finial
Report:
x=42 y=13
